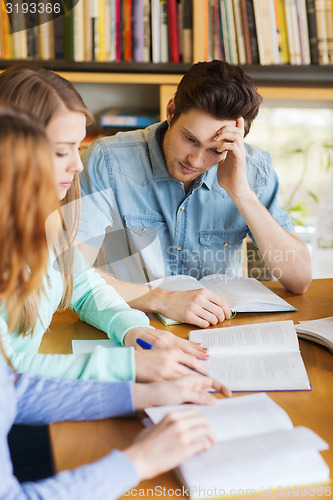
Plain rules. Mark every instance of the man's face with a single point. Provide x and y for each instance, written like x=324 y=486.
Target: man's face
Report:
x=189 y=147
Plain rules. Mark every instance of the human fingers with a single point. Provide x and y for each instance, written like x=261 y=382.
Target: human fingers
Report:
x=165 y=340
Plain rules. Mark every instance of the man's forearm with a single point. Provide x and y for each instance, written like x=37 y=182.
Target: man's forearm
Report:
x=284 y=253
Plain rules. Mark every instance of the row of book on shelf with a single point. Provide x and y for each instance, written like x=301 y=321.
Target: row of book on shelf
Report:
x=267 y=32
x=239 y=31
x=100 y=30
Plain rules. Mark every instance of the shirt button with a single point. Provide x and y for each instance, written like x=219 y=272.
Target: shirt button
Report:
x=198 y=182
x=144 y=229
x=182 y=209
x=179 y=249
x=225 y=244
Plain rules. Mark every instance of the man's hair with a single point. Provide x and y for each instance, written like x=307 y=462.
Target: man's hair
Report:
x=220 y=89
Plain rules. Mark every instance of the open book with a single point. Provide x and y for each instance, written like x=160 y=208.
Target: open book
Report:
x=256 y=357
x=317 y=330
x=256 y=448
x=242 y=294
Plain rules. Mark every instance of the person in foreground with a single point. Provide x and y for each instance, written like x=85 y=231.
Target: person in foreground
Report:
x=69 y=281
x=36 y=400
x=185 y=193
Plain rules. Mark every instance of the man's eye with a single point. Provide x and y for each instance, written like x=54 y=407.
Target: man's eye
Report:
x=215 y=151
x=189 y=139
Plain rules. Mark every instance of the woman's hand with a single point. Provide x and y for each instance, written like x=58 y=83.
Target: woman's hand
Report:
x=165 y=445
x=162 y=339
x=163 y=364
x=189 y=389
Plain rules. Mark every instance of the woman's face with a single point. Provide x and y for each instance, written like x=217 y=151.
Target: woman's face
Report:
x=66 y=130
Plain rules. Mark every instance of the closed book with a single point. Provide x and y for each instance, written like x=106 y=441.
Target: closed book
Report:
x=303 y=31
x=225 y=31
x=217 y=32
x=187 y=29
x=138 y=33
x=5 y=33
x=155 y=31
x=282 y=29
x=293 y=32
x=231 y=31
x=46 y=36
x=58 y=34
x=322 y=9
x=78 y=31
x=252 y=31
x=173 y=30
x=239 y=31
x=146 y=31
x=164 y=35
x=127 y=30
x=118 y=30
x=312 y=28
x=88 y=32
x=119 y=118
x=68 y=20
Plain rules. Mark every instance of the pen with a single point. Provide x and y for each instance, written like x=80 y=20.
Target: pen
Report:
x=144 y=344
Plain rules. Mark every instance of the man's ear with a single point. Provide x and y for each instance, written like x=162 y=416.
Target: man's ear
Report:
x=170 y=110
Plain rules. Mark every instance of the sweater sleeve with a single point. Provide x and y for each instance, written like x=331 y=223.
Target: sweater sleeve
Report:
x=114 y=364
x=99 y=305
x=108 y=478
x=42 y=400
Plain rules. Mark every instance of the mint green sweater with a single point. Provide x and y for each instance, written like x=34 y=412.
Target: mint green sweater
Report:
x=97 y=304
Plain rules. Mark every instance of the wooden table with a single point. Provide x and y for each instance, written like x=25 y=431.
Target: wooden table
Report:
x=76 y=443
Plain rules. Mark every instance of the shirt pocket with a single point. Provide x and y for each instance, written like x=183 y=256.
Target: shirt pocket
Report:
x=143 y=231
x=222 y=239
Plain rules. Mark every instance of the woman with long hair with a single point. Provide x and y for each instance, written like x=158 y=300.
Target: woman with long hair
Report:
x=69 y=281
x=27 y=186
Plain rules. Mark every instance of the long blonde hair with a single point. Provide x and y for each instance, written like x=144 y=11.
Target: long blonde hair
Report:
x=27 y=198
x=44 y=93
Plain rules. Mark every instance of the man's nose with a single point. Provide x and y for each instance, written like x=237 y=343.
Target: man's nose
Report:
x=195 y=158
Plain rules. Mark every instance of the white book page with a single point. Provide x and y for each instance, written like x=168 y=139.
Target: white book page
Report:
x=177 y=283
x=283 y=458
x=259 y=372
x=277 y=336
x=234 y=418
x=85 y=346
x=240 y=292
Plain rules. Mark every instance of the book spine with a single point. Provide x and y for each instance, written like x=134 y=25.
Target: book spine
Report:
x=211 y=29
x=164 y=37
x=224 y=24
x=311 y=16
x=58 y=37
x=252 y=31
x=146 y=31
x=155 y=30
x=217 y=32
x=246 y=32
x=232 y=32
x=283 y=34
x=107 y=30
x=78 y=31
x=321 y=13
x=187 y=45
x=173 y=31
x=303 y=31
x=118 y=30
x=275 y=41
x=68 y=20
x=138 y=30
x=127 y=27
x=239 y=31
x=88 y=36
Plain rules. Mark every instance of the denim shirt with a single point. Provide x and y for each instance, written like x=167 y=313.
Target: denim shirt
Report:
x=144 y=224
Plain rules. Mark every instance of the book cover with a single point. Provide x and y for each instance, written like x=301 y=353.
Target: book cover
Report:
x=173 y=30
x=312 y=28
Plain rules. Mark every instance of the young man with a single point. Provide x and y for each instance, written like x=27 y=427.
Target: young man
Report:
x=180 y=196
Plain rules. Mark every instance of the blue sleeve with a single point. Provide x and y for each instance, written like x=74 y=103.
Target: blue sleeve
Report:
x=42 y=400
x=99 y=305
x=107 y=478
